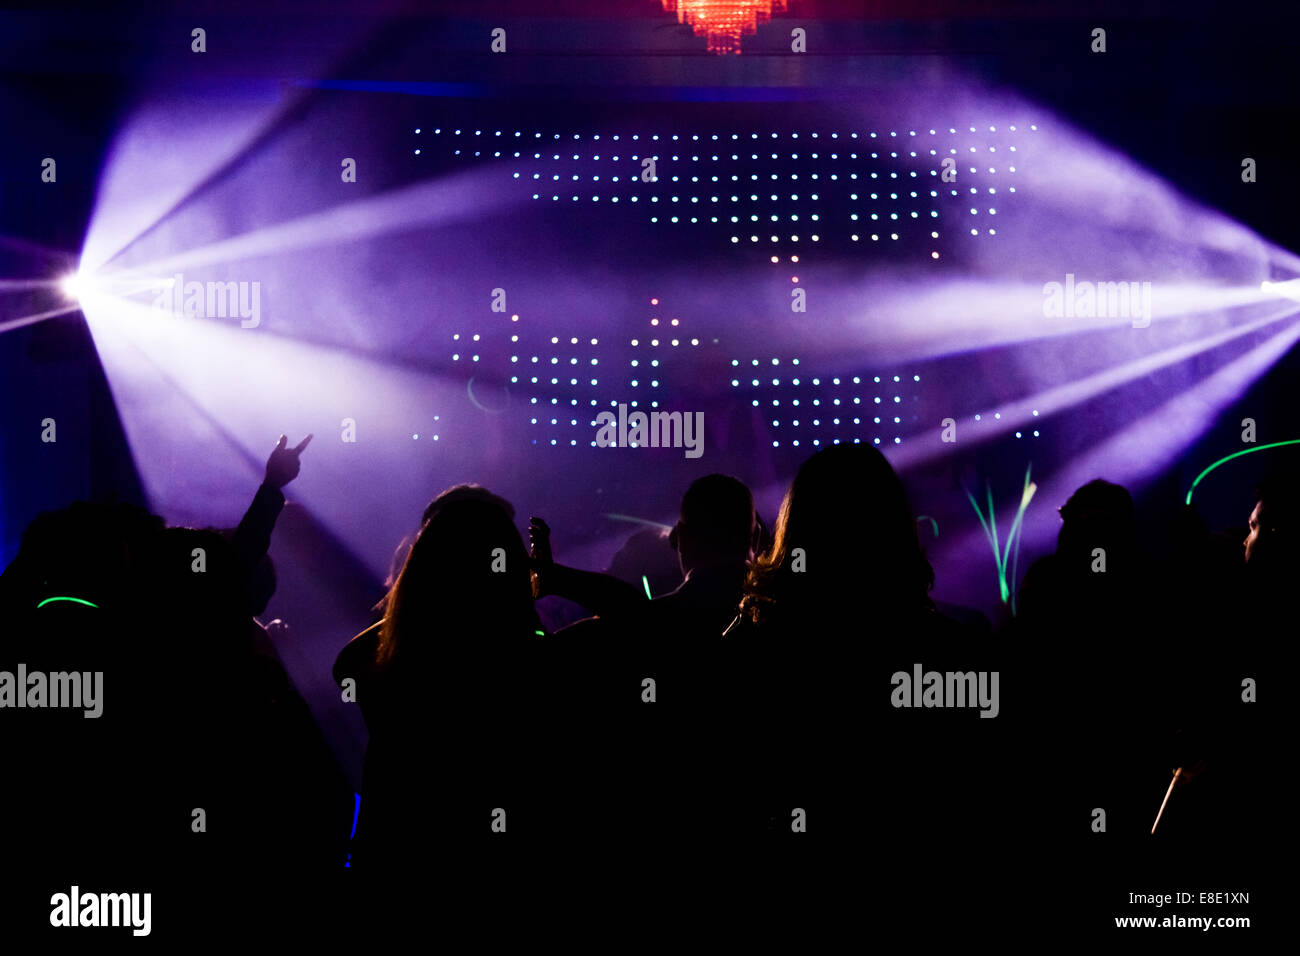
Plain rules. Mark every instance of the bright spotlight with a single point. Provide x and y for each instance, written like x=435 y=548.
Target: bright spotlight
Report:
x=73 y=286
x=78 y=286
x=1289 y=289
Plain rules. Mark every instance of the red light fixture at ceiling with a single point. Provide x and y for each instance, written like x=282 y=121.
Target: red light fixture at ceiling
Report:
x=724 y=22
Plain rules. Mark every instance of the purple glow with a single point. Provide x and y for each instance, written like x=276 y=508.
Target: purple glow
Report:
x=375 y=299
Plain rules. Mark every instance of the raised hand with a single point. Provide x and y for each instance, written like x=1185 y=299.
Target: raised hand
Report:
x=283 y=465
x=539 y=542
x=278 y=629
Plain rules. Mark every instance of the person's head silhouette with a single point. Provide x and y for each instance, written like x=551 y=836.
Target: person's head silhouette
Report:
x=716 y=524
x=845 y=535
x=1099 y=515
x=465 y=586
x=1271 y=543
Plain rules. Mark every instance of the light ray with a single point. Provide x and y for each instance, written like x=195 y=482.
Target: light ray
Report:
x=441 y=202
x=1015 y=415
x=1131 y=455
x=10 y=324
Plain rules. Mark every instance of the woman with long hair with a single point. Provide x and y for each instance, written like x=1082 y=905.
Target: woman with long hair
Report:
x=845 y=548
x=830 y=611
x=442 y=681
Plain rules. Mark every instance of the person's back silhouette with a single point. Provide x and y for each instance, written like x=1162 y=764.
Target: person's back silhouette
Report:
x=445 y=684
x=839 y=603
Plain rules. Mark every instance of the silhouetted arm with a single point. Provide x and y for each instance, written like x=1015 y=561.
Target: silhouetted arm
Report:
x=602 y=594
x=252 y=539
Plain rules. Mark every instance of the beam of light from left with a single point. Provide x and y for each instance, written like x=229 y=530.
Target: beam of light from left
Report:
x=10 y=324
x=67 y=287
x=201 y=403
x=440 y=202
x=26 y=285
x=74 y=287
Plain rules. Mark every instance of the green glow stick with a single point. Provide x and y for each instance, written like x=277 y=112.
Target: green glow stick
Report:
x=1002 y=571
x=987 y=533
x=72 y=599
x=1001 y=557
x=1026 y=496
x=1238 y=454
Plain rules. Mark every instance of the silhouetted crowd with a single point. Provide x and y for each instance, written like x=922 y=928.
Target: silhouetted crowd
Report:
x=748 y=710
